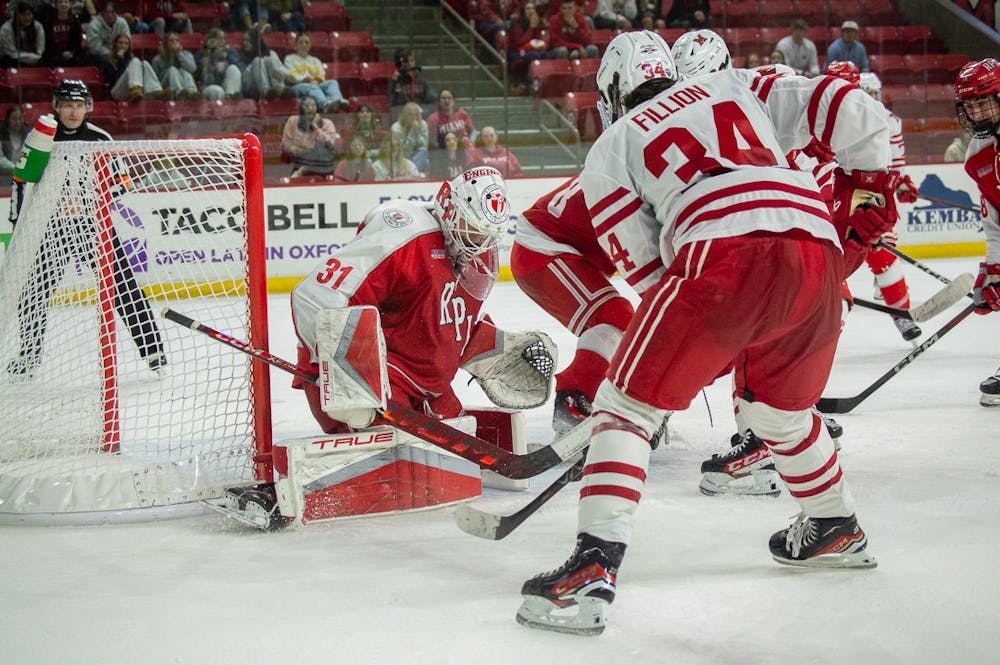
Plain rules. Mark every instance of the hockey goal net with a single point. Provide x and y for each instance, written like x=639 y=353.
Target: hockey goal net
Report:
x=104 y=405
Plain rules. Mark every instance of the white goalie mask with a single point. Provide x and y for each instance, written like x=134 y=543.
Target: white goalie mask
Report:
x=700 y=52
x=474 y=212
x=870 y=83
x=631 y=59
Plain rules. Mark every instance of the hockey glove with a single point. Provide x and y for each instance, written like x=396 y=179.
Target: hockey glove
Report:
x=986 y=295
x=906 y=191
x=863 y=206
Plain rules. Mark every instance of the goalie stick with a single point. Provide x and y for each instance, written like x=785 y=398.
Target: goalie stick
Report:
x=493 y=526
x=846 y=404
x=474 y=449
x=936 y=304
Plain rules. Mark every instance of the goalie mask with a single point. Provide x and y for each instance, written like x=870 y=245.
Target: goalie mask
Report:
x=976 y=98
x=700 y=52
x=474 y=212
x=631 y=60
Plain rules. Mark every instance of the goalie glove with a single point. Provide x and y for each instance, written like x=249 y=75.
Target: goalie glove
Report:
x=516 y=371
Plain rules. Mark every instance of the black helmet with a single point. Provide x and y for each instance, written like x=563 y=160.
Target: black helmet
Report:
x=72 y=90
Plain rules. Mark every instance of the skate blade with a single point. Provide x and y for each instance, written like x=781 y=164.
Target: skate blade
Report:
x=759 y=482
x=861 y=559
x=585 y=618
x=989 y=400
x=256 y=519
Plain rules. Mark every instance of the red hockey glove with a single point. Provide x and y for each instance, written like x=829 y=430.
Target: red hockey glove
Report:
x=819 y=151
x=889 y=239
x=986 y=295
x=906 y=191
x=863 y=206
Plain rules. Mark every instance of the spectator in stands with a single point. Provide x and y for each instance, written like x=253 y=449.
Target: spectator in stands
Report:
x=12 y=135
x=392 y=164
x=689 y=14
x=650 y=16
x=955 y=152
x=165 y=16
x=131 y=77
x=102 y=30
x=63 y=37
x=264 y=77
x=491 y=16
x=454 y=159
x=570 y=33
x=616 y=14
x=356 y=166
x=527 y=39
x=449 y=119
x=175 y=68
x=752 y=60
x=798 y=51
x=282 y=15
x=22 y=38
x=220 y=69
x=132 y=12
x=407 y=83
x=412 y=130
x=368 y=125
x=776 y=58
x=242 y=15
x=307 y=77
x=847 y=48
x=311 y=140
x=493 y=154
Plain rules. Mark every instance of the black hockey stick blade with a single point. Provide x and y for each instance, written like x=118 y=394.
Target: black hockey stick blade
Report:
x=936 y=304
x=847 y=404
x=493 y=526
x=441 y=434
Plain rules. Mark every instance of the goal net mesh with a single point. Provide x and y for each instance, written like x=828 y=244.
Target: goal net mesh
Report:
x=105 y=405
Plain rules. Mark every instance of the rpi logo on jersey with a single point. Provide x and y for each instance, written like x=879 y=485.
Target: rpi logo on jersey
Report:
x=494 y=204
x=396 y=218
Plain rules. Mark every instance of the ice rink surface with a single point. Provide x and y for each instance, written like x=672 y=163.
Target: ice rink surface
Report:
x=698 y=585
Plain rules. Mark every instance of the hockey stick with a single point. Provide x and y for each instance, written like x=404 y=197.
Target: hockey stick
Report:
x=921 y=266
x=950 y=204
x=846 y=404
x=493 y=526
x=474 y=449
x=931 y=307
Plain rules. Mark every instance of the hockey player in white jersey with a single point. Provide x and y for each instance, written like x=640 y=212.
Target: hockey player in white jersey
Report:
x=700 y=52
x=738 y=265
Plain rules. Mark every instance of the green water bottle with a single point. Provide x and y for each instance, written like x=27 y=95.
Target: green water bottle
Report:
x=36 y=150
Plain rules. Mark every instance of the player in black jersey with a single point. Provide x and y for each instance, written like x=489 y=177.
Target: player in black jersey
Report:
x=75 y=238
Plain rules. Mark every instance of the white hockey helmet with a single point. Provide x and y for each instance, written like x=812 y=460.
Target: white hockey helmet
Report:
x=870 y=83
x=474 y=212
x=776 y=69
x=700 y=52
x=630 y=60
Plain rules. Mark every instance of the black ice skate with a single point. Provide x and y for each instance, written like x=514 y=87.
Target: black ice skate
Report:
x=156 y=361
x=907 y=328
x=255 y=506
x=746 y=470
x=585 y=583
x=570 y=407
x=833 y=428
x=830 y=542
x=990 y=389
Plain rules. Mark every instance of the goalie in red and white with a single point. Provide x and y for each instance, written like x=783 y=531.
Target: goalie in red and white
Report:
x=419 y=277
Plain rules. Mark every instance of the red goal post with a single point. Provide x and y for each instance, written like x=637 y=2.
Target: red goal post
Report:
x=105 y=407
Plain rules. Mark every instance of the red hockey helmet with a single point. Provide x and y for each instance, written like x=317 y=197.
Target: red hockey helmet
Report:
x=976 y=98
x=844 y=70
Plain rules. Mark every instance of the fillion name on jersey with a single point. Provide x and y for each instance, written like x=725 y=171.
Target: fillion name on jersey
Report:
x=663 y=106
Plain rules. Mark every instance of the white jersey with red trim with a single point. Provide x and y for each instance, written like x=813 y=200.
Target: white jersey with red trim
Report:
x=706 y=159
x=398 y=263
x=897 y=150
x=982 y=163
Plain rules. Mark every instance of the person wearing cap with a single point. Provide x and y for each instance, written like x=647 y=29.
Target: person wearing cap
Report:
x=847 y=48
x=797 y=51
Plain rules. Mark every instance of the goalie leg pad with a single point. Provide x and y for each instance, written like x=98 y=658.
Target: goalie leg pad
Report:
x=376 y=471
x=353 y=379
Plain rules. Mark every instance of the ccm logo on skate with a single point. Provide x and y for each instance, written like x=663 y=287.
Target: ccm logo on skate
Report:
x=748 y=461
x=578 y=579
x=349 y=441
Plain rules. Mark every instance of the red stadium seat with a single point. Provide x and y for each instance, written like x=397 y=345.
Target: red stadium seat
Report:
x=585 y=72
x=670 y=35
x=326 y=15
x=193 y=41
x=188 y=110
x=143 y=118
x=322 y=47
x=380 y=103
x=819 y=35
x=146 y=44
x=30 y=84
x=376 y=77
x=602 y=37
x=769 y=38
x=551 y=78
x=32 y=110
x=354 y=46
x=205 y=15
x=279 y=108
x=581 y=107
x=281 y=42
x=348 y=75
x=778 y=13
